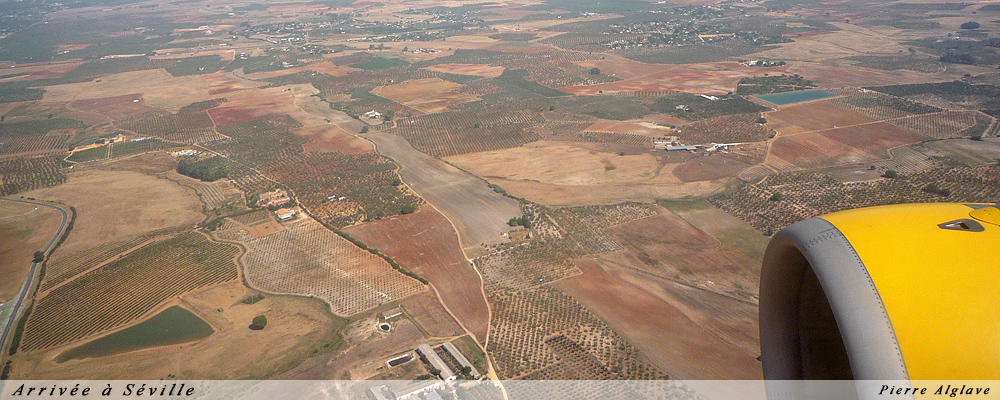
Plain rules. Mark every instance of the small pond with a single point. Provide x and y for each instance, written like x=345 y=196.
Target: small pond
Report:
x=171 y=326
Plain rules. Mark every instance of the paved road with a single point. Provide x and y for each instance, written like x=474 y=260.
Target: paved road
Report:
x=31 y=275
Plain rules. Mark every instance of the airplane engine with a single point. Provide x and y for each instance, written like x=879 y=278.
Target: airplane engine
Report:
x=902 y=292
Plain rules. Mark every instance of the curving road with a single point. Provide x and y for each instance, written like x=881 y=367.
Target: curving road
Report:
x=31 y=274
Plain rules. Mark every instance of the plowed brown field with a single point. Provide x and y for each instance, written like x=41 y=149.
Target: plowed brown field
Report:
x=425 y=243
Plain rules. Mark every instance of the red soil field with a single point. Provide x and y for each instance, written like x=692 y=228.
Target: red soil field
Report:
x=488 y=71
x=709 y=168
x=220 y=83
x=426 y=311
x=666 y=245
x=875 y=139
x=43 y=71
x=425 y=242
x=842 y=146
x=812 y=116
x=647 y=313
x=115 y=107
x=248 y=105
x=330 y=138
x=813 y=150
x=71 y=47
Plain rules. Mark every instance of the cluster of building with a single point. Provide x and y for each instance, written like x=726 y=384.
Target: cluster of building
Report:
x=373 y=114
x=763 y=63
x=275 y=197
x=186 y=153
x=405 y=390
x=445 y=373
x=672 y=143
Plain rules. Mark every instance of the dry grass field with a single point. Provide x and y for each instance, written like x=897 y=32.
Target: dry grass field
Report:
x=115 y=205
x=428 y=96
x=566 y=174
x=24 y=229
x=159 y=89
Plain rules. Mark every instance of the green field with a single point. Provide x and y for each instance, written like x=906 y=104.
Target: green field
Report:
x=692 y=107
x=381 y=63
x=616 y=108
x=96 y=153
x=197 y=65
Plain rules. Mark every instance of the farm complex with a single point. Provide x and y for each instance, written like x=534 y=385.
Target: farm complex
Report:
x=458 y=191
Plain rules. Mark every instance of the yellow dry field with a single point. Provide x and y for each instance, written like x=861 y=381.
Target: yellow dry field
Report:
x=113 y=206
x=561 y=174
x=158 y=88
x=841 y=74
x=24 y=229
x=638 y=127
x=325 y=67
x=329 y=129
x=488 y=71
x=431 y=95
x=852 y=40
x=296 y=326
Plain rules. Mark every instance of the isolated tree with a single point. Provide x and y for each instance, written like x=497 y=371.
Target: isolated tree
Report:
x=364 y=129
x=970 y=25
x=891 y=174
x=39 y=256
x=259 y=322
x=776 y=196
x=388 y=115
x=761 y=120
x=595 y=71
x=405 y=49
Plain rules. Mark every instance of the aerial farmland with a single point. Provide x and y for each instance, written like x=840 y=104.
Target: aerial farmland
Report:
x=560 y=190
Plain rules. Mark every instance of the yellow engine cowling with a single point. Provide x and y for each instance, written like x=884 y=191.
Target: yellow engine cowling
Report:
x=907 y=292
